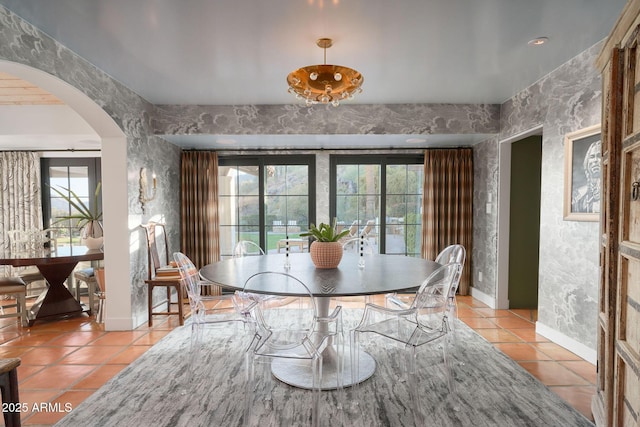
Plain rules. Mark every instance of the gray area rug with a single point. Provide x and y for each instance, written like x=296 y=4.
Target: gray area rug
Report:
x=156 y=389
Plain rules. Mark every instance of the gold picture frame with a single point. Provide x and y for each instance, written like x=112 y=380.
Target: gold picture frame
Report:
x=582 y=174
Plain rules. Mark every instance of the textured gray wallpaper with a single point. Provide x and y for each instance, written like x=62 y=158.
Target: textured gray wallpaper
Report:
x=485 y=225
x=406 y=119
x=22 y=43
x=564 y=101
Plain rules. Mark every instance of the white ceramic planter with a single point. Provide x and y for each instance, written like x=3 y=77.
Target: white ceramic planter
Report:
x=93 y=243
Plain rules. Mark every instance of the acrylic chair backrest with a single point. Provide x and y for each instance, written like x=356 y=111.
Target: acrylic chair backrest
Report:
x=29 y=241
x=247 y=248
x=353 y=229
x=431 y=300
x=288 y=320
x=368 y=227
x=453 y=253
x=352 y=245
x=190 y=276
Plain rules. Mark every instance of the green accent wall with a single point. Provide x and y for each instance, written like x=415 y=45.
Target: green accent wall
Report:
x=524 y=223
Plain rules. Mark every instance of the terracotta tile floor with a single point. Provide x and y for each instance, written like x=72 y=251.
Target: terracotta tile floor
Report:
x=65 y=361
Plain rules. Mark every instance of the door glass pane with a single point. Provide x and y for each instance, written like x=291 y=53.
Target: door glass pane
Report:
x=415 y=174
x=403 y=209
x=281 y=206
x=238 y=205
x=357 y=188
x=286 y=202
x=67 y=179
x=346 y=179
x=386 y=206
x=227 y=240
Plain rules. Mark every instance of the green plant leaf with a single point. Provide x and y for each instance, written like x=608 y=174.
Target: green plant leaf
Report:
x=325 y=232
x=84 y=215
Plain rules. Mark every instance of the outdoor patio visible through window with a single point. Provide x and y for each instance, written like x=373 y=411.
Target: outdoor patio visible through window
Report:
x=380 y=198
x=268 y=201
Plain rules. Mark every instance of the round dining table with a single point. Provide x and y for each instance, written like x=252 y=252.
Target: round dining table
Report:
x=380 y=274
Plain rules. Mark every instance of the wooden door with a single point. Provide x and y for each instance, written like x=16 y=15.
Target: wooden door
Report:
x=617 y=401
x=626 y=389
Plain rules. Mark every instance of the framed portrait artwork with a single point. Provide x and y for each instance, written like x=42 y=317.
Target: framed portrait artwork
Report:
x=582 y=174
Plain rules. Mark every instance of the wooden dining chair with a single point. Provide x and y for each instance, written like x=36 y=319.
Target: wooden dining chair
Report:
x=160 y=273
x=101 y=294
x=86 y=275
x=9 y=391
x=15 y=287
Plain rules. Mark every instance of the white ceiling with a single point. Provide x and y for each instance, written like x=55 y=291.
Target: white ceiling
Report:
x=225 y=52
x=50 y=127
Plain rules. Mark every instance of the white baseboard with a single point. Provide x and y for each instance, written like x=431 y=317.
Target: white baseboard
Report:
x=111 y=324
x=484 y=298
x=587 y=353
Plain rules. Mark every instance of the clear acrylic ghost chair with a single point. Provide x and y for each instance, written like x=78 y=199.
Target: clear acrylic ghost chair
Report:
x=28 y=242
x=207 y=310
x=368 y=230
x=423 y=322
x=247 y=248
x=288 y=339
x=353 y=245
x=458 y=254
x=452 y=253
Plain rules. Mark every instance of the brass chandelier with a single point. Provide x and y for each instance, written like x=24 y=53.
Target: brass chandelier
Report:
x=325 y=84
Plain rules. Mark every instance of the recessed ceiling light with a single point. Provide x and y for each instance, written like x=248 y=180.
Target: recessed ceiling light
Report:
x=225 y=141
x=416 y=140
x=539 y=41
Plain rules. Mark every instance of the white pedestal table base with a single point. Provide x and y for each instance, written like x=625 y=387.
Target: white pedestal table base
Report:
x=299 y=374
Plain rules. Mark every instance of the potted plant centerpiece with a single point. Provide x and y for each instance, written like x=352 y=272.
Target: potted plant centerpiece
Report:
x=88 y=220
x=326 y=250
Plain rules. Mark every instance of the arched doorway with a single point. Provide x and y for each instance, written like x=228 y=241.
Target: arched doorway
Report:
x=114 y=187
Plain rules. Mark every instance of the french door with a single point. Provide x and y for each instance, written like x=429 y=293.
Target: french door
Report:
x=80 y=175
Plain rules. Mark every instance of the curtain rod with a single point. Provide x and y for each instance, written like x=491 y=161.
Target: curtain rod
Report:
x=259 y=150
x=65 y=150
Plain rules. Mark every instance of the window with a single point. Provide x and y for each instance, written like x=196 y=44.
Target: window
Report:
x=81 y=175
x=382 y=197
x=265 y=199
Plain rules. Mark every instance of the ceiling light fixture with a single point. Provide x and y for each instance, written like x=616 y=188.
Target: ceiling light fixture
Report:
x=226 y=141
x=325 y=84
x=416 y=140
x=538 y=41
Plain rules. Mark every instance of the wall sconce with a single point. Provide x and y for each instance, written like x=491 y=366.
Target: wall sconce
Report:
x=143 y=188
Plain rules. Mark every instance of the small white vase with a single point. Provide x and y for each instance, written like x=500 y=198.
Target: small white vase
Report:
x=92 y=236
x=93 y=243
